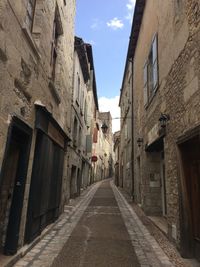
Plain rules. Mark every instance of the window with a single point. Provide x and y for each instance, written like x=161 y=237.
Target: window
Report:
x=126 y=131
x=80 y=138
x=95 y=135
x=30 y=13
x=85 y=111
x=78 y=88
x=178 y=6
x=82 y=102
x=75 y=129
x=57 y=31
x=150 y=77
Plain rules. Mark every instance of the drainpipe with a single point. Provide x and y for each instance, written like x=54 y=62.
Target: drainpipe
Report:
x=132 y=129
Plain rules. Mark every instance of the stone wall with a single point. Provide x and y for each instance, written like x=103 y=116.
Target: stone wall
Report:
x=177 y=93
x=125 y=173
x=25 y=71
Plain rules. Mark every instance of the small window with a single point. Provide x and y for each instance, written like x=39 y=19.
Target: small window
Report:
x=178 y=6
x=82 y=101
x=78 y=88
x=126 y=131
x=57 y=31
x=80 y=137
x=145 y=85
x=85 y=111
x=75 y=132
x=30 y=13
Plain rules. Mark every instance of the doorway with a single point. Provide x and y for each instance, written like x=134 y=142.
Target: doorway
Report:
x=190 y=215
x=13 y=181
x=139 y=182
x=78 y=182
x=163 y=185
x=46 y=186
x=73 y=182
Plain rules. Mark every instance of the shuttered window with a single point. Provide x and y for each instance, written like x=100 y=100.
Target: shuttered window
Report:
x=88 y=144
x=150 y=72
x=145 y=85
x=57 y=30
x=155 y=62
x=95 y=135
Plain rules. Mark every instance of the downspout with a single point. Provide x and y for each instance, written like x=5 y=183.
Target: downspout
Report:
x=132 y=128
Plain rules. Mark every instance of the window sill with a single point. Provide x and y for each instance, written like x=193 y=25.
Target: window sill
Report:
x=31 y=42
x=54 y=92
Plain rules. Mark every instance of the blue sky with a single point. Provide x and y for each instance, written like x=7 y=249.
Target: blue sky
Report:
x=106 y=26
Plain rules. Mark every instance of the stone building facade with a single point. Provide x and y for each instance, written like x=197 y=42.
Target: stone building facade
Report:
x=107 y=144
x=165 y=50
x=80 y=165
x=125 y=162
x=36 y=69
x=116 y=150
x=102 y=156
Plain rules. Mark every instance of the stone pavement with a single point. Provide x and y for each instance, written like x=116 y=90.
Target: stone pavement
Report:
x=100 y=230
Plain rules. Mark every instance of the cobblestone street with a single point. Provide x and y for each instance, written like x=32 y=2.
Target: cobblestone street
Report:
x=101 y=229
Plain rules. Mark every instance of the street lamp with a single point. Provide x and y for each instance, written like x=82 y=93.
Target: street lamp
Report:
x=139 y=141
x=104 y=128
x=163 y=119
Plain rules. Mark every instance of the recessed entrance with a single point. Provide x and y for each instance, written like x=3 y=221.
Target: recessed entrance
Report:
x=13 y=180
x=190 y=169
x=157 y=183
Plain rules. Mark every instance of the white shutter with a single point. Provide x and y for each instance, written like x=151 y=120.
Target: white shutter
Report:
x=155 y=62
x=145 y=85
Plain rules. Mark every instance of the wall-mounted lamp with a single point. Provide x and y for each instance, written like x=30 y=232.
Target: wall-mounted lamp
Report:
x=163 y=119
x=104 y=128
x=139 y=141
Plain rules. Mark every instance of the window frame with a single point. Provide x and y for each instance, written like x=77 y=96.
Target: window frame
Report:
x=30 y=17
x=151 y=72
x=56 y=33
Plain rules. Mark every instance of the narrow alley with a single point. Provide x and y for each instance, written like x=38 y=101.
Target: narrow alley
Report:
x=100 y=133
x=99 y=230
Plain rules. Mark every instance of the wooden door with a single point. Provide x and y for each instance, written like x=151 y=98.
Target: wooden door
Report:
x=190 y=153
x=13 y=180
x=195 y=204
x=46 y=184
x=7 y=187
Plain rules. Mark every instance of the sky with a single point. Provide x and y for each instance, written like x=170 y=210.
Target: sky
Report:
x=106 y=25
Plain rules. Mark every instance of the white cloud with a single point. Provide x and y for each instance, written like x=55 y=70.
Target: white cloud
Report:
x=115 y=24
x=130 y=8
x=112 y=105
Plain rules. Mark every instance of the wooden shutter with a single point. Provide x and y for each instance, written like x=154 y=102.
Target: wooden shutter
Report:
x=38 y=16
x=155 y=62
x=88 y=143
x=145 y=88
x=95 y=135
x=56 y=177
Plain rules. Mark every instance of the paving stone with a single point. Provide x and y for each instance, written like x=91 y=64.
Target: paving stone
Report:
x=147 y=250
